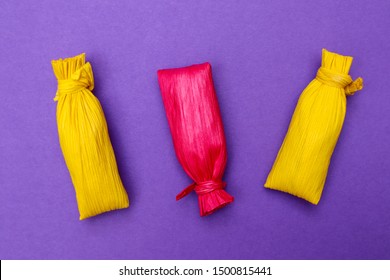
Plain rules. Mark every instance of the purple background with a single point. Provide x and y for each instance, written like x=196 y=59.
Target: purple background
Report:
x=263 y=55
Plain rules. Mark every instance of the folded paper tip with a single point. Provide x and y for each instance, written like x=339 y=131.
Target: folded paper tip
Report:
x=354 y=86
x=212 y=201
x=309 y=197
x=124 y=204
x=359 y=83
x=208 y=65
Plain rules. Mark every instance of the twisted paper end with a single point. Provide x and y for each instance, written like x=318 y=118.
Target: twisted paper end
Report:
x=211 y=196
x=354 y=86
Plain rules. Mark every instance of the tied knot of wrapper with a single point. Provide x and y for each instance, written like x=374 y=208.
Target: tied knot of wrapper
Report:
x=211 y=195
x=79 y=80
x=339 y=80
x=201 y=188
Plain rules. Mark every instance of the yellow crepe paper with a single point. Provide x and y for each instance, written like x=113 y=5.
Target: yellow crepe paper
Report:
x=84 y=140
x=302 y=163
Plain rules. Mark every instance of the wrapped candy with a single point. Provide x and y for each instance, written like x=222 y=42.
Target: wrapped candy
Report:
x=302 y=163
x=84 y=140
x=195 y=123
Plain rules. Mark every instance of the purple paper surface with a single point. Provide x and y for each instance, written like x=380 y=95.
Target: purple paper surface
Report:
x=263 y=55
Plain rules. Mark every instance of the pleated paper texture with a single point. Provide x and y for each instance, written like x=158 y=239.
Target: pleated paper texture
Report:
x=84 y=140
x=302 y=163
x=195 y=122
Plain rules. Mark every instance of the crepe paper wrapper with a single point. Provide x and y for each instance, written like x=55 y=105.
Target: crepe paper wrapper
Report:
x=84 y=140
x=194 y=119
x=302 y=163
